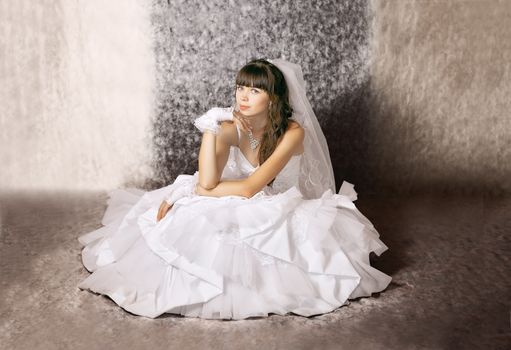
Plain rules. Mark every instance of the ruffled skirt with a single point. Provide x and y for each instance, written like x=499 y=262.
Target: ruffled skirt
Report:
x=232 y=257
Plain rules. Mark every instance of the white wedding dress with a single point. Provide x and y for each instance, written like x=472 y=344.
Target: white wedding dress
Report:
x=233 y=257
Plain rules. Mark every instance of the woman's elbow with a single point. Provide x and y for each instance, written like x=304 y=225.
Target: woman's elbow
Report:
x=207 y=182
x=208 y=185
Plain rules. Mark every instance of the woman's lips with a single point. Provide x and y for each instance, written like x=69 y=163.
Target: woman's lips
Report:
x=244 y=107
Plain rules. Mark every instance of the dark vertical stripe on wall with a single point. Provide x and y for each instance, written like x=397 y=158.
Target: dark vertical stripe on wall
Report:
x=439 y=101
x=200 y=45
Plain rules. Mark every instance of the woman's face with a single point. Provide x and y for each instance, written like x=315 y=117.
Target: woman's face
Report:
x=252 y=101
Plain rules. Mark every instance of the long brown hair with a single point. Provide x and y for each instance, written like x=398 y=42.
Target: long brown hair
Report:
x=261 y=74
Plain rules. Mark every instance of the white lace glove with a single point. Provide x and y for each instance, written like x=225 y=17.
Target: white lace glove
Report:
x=210 y=121
x=183 y=187
x=177 y=194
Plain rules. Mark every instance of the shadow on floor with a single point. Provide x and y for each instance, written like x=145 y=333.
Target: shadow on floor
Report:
x=448 y=256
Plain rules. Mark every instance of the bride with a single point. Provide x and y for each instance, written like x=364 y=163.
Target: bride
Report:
x=258 y=229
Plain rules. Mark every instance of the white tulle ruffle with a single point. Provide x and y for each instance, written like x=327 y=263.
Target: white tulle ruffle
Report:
x=232 y=257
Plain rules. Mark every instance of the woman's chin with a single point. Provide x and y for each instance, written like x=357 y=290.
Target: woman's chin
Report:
x=252 y=113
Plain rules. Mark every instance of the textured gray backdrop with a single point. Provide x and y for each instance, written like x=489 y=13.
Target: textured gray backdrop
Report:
x=200 y=47
x=412 y=95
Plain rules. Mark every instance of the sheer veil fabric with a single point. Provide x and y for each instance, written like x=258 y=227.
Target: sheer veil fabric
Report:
x=294 y=247
x=316 y=171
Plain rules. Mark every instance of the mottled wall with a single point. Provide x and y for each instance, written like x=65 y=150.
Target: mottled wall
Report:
x=201 y=45
x=412 y=95
x=76 y=93
x=439 y=109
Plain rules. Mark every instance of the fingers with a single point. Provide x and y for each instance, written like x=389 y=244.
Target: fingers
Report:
x=159 y=216
x=163 y=210
x=242 y=121
x=161 y=213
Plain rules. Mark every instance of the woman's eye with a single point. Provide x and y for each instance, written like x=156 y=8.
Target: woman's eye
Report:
x=252 y=90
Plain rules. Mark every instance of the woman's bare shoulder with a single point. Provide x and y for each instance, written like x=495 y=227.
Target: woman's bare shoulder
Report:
x=294 y=127
x=294 y=134
x=293 y=124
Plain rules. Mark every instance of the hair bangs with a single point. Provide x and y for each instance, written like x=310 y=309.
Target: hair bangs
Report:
x=254 y=76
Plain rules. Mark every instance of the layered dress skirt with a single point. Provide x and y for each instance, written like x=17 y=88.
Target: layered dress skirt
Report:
x=233 y=257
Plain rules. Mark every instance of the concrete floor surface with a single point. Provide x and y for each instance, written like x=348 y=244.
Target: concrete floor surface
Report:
x=448 y=256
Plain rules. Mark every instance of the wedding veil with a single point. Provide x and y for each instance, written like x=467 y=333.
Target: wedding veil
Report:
x=316 y=172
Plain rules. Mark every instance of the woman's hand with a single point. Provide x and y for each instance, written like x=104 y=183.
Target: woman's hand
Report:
x=242 y=121
x=164 y=209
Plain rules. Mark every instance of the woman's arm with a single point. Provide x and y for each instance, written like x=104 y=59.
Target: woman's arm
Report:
x=213 y=155
x=291 y=141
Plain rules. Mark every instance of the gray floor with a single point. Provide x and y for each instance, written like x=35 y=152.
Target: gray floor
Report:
x=447 y=256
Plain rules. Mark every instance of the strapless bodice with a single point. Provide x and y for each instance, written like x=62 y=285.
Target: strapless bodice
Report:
x=238 y=167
